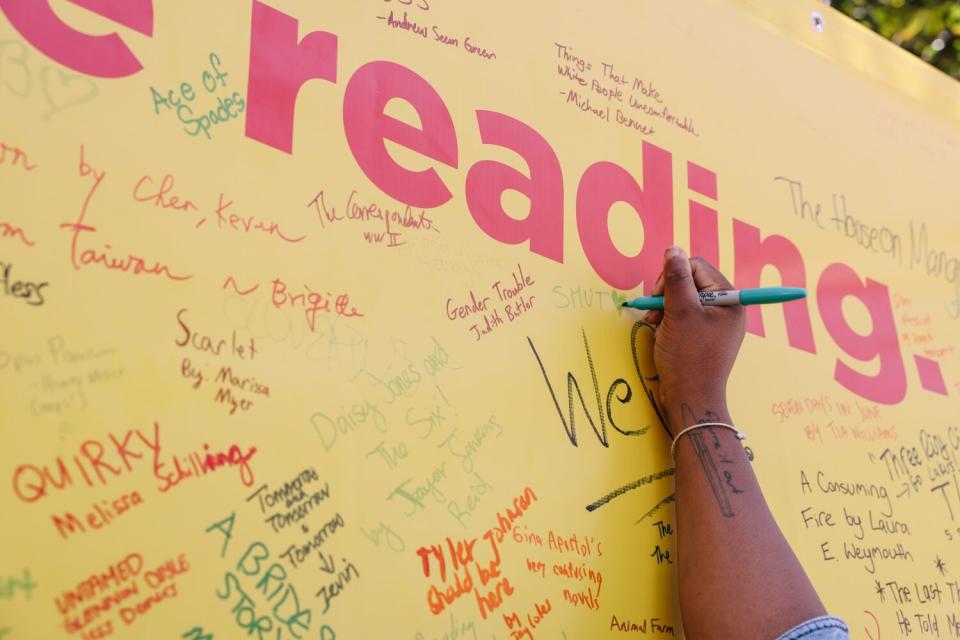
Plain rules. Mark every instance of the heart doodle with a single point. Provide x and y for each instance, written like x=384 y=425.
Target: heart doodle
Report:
x=13 y=57
x=64 y=90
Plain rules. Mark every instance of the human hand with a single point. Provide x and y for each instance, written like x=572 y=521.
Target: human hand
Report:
x=694 y=346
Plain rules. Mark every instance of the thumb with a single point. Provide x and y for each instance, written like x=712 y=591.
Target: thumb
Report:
x=679 y=290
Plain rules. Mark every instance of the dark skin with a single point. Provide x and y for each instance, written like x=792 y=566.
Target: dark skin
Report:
x=738 y=576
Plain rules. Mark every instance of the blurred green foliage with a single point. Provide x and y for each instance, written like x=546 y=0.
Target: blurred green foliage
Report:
x=928 y=28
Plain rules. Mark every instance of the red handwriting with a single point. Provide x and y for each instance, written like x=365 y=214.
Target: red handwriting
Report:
x=520 y=629
x=118 y=586
x=490 y=588
x=98 y=461
x=117 y=581
x=99 y=516
x=372 y=211
x=394 y=220
x=243 y=349
x=822 y=404
x=13 y=156
x=129 y=264
x=815 y=431
x=312 y=302
x=232 y=386
x=146 y=191
x=7 y=230
x=919 y=335
x=142 y=606
x=212 y=460
x=938 y=352
x=461 y=554
x=231 y=281
x=247 y=224
x=513 y=298
x=324 y=213
x=99 y=583
x=505 y=522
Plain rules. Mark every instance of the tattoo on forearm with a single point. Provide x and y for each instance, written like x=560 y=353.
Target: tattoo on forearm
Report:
x=713 y=473
x=729 y=478
x=709 y=449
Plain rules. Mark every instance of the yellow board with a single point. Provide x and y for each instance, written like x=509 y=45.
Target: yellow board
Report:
x=346 y=360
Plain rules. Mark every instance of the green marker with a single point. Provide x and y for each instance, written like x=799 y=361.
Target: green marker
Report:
x=763 y=295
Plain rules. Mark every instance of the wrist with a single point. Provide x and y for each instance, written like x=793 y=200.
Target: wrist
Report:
x=683 y=410
x=676 y=394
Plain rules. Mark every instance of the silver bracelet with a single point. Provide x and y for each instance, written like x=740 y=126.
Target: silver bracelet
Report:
x=673 y=447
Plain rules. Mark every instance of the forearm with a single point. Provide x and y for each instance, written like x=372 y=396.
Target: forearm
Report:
x=738 y=576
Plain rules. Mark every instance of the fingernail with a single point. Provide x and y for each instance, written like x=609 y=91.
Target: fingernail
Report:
x=672 y=250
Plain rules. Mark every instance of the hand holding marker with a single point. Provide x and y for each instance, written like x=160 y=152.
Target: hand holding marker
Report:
x=763 y=295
